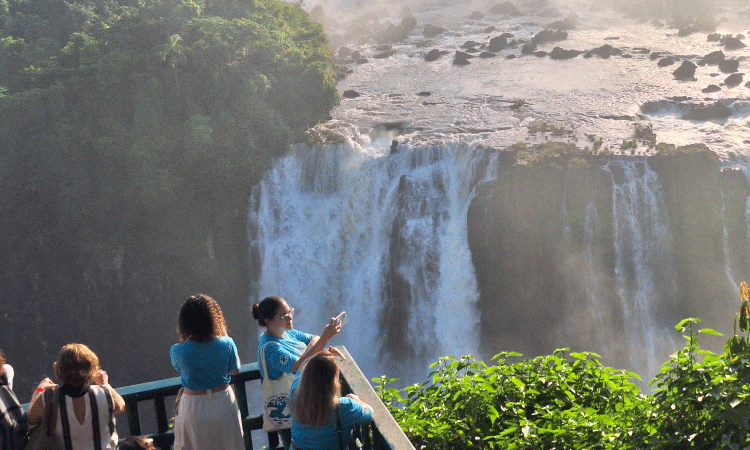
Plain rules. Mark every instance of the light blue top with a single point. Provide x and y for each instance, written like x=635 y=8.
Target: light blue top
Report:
x=326 y=437
x=205 y=365
x=283 y=352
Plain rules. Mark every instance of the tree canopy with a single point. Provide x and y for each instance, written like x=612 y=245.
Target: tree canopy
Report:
x=131 y=134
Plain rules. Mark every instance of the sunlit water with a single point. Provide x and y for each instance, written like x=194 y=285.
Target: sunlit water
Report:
x=324 y=218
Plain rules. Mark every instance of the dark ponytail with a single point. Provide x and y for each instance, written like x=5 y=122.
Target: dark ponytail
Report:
x=266 y=309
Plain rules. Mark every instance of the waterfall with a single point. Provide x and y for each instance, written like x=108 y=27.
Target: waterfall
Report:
x=381 y=234
x=644 y=266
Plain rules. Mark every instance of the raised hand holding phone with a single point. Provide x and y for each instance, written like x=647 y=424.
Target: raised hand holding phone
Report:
x=341 y=318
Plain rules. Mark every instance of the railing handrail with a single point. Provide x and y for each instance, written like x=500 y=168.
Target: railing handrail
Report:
x=386 y=433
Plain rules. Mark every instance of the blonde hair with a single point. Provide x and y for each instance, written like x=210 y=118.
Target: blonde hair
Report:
x=76 y=365
x=317 y=395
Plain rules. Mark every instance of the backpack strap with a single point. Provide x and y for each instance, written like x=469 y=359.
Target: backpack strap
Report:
x=96 y=431
x=65 y=423
x=111 y=405
x=51 y=397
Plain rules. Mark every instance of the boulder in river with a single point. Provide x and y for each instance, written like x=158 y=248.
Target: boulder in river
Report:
x=350 y=93
x=507 y=8
x=733 y=80
x=528 y=48
x=729 y=65
x=560 y=53
x=716 y=110
x=497 y=43
x=568 y=23
x=664 y=62
x=549 y=36
x=686 y=71
x=713 y=58
x=605 y=51
x=431 y=31
x=732 y=43
x=710 y=89
x=432 y=55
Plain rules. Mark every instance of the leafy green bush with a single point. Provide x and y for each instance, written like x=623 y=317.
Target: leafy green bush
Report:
x=569 y=400
x=565 y=400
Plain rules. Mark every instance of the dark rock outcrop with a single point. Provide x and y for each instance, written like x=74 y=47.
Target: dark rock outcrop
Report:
x=560 y=53
x=545 y=36
x=605 y=51
x=716 y=110
x=668 y=61
x=713 y=58
x=729 y=65
x=506 y=8
x=350 y=93
x=732 y=43
x=432 y=55
x=528 y=236
x=733 y=80
x=461 y=58
x=431 y=31
x=497 y=43
x=711 y=88
x=686 y=71
x=528 y=48
x=398 y=33
x=569 y=23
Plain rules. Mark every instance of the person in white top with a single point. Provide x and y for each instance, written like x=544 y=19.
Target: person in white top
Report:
x=6 y=369
x=85 y=389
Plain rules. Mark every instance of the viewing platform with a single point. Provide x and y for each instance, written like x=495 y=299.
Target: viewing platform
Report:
x=383 y=433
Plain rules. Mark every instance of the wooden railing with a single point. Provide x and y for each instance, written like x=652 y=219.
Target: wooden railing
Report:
x=383 y=433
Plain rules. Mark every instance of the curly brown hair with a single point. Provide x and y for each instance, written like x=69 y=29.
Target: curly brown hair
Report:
x=76 y=365
x=2 y=361
x=200 y=319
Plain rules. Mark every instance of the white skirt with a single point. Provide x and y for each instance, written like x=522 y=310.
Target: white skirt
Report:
x=208 y=422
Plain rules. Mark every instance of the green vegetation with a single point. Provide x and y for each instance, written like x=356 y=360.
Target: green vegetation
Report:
x=131 y=135
x=570 y=400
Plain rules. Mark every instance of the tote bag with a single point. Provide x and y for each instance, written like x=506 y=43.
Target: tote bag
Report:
x=275 y=393
x=41 y=436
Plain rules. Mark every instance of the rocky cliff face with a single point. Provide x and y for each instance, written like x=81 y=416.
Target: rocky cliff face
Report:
x=549 y=244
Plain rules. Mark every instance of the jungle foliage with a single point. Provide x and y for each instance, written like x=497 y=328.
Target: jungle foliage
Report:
x=131 y=133
x=568 y=400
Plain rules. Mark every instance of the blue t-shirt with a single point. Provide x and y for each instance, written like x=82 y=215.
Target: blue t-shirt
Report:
x=282 y=353
x=205 y=365
x=326 y=437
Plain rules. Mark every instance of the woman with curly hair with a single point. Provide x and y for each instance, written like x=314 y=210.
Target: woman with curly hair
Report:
x=206 y=415
x=84 y=387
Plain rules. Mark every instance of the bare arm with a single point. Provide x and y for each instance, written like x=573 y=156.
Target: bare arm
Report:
x=36 y=405
x=102 y=379
x=318 y=343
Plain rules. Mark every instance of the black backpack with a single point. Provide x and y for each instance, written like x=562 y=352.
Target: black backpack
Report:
x=13 y=423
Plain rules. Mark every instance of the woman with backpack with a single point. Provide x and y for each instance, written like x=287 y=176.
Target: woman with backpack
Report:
x=83 y=406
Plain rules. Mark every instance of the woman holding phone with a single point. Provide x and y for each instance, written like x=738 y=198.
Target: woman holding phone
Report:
x=283 y=348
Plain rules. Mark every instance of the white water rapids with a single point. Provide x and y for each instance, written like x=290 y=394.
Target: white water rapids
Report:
x=323 y=220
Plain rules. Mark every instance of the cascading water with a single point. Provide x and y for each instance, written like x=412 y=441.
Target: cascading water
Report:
x=381 y=234
x=644 y=266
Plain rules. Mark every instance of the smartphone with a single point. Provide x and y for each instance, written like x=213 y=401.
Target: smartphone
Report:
x=341 y=318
